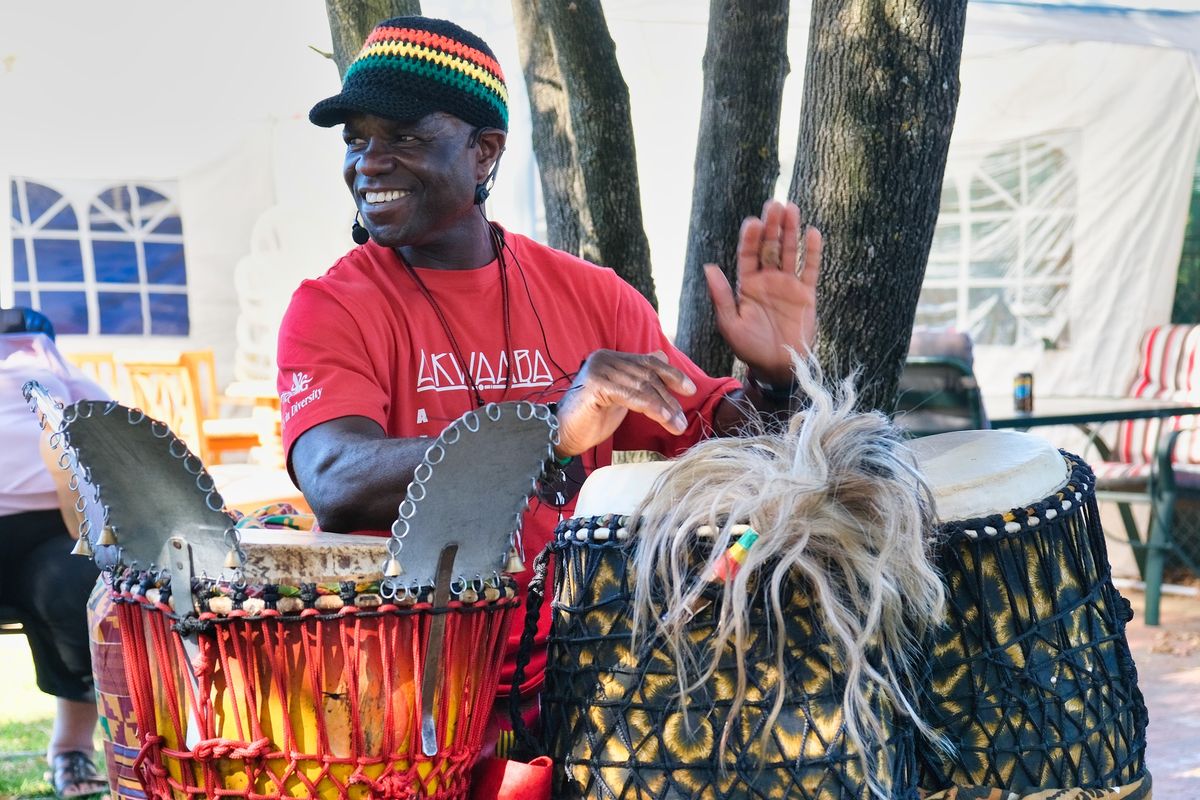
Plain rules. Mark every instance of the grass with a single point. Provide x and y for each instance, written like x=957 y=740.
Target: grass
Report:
x=22 y=764
x=26 y=717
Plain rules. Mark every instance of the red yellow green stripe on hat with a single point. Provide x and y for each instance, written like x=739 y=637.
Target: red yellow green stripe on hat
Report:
x=440 y=58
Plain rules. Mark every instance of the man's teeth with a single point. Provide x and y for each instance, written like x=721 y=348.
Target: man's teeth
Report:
x=384 y=197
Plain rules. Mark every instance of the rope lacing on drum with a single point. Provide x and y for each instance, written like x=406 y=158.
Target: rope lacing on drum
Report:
x=1032 y=680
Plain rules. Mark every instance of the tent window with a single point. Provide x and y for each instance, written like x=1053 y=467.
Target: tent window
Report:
x=101 y=258
x=1002 y=251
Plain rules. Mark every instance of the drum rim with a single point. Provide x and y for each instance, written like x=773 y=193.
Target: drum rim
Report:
x=1073 y=494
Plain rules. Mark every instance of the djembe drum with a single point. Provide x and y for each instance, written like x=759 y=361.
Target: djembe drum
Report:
x=1032 y=681
x=272 y=664
x=310 y=683
x=620 y=720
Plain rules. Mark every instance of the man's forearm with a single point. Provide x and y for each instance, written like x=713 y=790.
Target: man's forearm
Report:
x=360 y=485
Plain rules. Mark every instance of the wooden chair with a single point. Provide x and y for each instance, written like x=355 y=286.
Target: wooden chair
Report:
x=1157 y=461
x=102 y=368
x=168 y=389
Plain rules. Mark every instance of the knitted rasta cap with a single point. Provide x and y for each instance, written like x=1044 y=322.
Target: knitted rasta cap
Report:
x=412 y=66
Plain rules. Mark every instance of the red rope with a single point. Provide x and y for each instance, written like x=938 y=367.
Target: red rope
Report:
x=251 y=667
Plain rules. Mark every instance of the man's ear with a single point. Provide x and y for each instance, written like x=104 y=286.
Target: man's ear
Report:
x=491 y=144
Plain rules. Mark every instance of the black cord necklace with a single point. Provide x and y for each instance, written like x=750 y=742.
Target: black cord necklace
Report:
x=464 y=366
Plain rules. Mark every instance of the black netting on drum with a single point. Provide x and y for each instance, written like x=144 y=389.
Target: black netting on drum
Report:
x=1032 y=680
x=612 y=718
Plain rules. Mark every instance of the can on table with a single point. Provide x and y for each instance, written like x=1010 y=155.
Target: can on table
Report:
x=1023 y=392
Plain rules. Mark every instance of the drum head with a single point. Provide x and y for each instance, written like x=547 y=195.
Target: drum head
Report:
x=971 y=473
x=978 y=473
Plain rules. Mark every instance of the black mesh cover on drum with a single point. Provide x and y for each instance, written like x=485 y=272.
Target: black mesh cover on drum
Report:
x=1032 y=679
x=612 y=720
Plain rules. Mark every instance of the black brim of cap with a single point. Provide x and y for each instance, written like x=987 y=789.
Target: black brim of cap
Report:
x=337 y=109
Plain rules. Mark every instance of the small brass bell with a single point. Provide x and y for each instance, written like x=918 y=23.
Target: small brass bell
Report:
x=515 y=564
x=393 y=568
x=107 y=536
x=82 y=547
x=232 y=560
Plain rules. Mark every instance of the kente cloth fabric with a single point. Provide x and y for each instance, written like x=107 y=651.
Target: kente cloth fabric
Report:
x=1138 y=790
x=118 y=723
x=277 y=516
x=362 y=341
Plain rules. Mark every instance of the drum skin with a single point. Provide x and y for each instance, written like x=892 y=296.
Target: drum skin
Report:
x=1032 y=681
x=613 y=722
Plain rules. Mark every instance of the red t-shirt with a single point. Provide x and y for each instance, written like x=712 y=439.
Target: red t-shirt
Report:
x=362 y=341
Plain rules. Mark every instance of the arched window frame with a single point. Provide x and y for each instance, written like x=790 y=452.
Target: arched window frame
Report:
x=93 y=213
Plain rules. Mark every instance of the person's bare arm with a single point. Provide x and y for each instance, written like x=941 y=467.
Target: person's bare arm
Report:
x=67 y=498
x=352 y=475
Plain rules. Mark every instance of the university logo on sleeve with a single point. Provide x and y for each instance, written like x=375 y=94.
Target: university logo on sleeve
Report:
x=300 y=383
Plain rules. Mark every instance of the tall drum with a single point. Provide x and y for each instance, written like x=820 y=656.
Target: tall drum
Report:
x=610 y=709
x=1032 y=681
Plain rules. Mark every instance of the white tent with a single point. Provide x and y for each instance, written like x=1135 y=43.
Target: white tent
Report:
x=1072 y=161
x=1067 y=189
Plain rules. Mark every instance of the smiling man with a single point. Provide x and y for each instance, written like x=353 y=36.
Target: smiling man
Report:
x=439 y=310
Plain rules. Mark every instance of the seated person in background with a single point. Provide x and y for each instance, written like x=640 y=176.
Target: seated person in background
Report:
x=38 y=574
x=440 y=310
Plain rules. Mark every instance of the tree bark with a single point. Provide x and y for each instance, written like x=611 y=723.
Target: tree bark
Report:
x=601 y=129
x=737 y=156
x=562 y=188
x=880 y=94
x=351 y=20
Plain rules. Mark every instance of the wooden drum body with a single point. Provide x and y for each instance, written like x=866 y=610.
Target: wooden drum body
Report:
x=308 y=683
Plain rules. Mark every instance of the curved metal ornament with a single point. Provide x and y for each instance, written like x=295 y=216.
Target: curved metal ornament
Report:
x=471 y=490
x=148 y=486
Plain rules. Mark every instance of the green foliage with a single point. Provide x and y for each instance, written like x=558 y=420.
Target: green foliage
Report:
x=1187 y=283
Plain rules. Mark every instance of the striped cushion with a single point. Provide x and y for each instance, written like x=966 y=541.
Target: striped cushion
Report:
x=1166 y=371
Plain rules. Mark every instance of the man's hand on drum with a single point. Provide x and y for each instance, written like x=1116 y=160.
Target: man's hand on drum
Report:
x=608 y=387
x=774 y=306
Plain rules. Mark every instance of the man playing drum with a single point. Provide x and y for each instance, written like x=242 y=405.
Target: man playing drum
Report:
x=440 y=310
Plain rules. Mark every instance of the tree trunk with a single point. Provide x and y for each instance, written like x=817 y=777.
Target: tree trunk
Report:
x=351 y=20
x=737 y=160
x=880 y=93
x=601 y=129
x=562 y=187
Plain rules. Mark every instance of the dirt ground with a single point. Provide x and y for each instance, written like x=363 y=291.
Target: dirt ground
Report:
x=1168 y=663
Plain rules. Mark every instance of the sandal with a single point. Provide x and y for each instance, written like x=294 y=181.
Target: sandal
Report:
x=73 y=774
